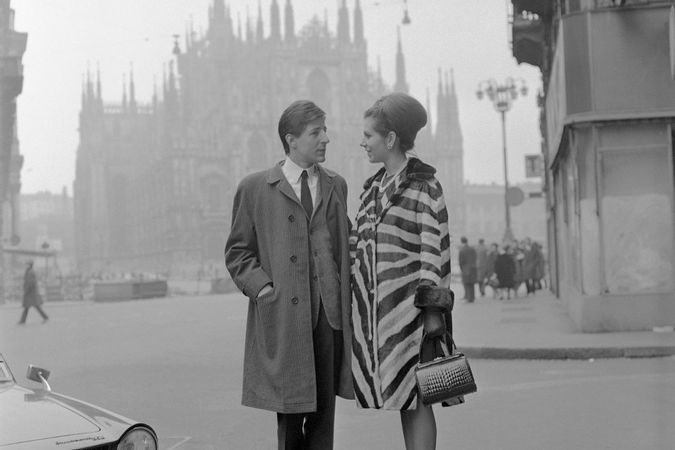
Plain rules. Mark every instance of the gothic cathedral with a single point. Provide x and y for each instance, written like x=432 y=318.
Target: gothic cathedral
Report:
x=154 y=182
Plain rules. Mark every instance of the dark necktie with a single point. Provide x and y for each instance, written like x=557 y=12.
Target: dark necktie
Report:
x=305 y=195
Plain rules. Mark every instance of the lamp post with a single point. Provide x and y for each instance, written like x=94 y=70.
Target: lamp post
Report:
x=502 y=97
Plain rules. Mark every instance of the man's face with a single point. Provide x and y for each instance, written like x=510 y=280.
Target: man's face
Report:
x=310 y=147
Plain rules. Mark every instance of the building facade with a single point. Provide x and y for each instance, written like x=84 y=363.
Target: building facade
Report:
x=607 y=120
x=154 y=182
x=12 y=48
x=485 y=213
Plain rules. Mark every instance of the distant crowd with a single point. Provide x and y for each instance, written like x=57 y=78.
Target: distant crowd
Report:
x=504 y=268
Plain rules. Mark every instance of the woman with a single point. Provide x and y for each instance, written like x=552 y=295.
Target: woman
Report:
x=402 y=243
x=505 y=268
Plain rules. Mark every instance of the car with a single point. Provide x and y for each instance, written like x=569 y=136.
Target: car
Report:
x=41 y=419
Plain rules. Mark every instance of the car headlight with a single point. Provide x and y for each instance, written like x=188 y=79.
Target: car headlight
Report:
x=139 y=438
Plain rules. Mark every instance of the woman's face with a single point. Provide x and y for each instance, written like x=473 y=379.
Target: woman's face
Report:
x=373 y=142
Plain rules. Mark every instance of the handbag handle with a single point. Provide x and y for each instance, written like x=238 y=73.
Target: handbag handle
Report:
x=447 y=338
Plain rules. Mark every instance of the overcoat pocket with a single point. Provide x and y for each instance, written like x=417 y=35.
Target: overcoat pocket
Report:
x=268 y=328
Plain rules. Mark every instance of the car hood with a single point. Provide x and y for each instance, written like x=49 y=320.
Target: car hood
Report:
x=28 y=416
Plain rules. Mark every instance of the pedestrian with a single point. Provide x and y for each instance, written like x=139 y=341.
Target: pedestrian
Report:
x=288 y=252
x=482 y=265
x=402 y=248
x=539 y=265
x=491 y=276
x=530 y=262
x=517 y=251
x=505 y=268
x=31 y=294
x=467 y=264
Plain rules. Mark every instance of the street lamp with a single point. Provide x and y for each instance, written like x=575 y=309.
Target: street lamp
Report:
x=502 y=97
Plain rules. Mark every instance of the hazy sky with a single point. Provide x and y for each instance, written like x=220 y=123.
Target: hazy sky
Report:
x=472 y=37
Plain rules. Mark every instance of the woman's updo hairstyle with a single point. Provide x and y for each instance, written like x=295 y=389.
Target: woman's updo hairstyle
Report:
x=399 y=113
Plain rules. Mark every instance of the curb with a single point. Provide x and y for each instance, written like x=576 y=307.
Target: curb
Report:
x=568 y=353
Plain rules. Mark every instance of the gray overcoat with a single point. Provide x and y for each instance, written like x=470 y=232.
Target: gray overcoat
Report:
x=31 y=295
x=268 y=243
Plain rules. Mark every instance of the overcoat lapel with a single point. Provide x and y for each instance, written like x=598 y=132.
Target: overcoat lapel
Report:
x=326 y=186
x=276 y=176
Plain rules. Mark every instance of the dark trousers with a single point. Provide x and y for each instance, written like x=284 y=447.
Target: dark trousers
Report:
x=481 y=286
x=24 y=315
x=469 y=292
x=531 y=286
x=314 y=430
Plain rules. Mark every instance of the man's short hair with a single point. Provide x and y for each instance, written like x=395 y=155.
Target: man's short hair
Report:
x=295 y=118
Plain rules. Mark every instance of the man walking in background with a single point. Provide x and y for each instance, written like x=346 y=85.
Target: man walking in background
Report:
x=482 y=265
x=288 y=252
x=467 y=264
x=31 y=295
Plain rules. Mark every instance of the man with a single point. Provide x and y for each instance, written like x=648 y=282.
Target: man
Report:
x=482 y=265
x=467 y=264
x=31 y=295
x=288 y=251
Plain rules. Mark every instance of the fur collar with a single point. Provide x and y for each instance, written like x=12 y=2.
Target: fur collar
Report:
x=415 y=170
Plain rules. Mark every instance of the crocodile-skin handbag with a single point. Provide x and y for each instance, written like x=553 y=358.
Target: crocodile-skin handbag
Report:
x=444 y=378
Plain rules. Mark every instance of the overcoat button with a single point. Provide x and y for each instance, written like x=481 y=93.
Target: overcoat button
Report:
x=294 y=258
x=291 y=218
x=294 y=300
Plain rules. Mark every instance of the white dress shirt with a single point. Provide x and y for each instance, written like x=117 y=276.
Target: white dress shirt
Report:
x=292 y=172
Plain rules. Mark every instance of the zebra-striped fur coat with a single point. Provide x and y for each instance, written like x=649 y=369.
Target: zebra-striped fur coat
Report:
x=400 y=243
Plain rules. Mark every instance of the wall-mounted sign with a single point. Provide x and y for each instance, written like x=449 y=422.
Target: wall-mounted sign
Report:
x=514 y=196
x=533 y=166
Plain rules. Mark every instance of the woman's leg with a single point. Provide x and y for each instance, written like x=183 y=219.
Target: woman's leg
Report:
x=419 y=427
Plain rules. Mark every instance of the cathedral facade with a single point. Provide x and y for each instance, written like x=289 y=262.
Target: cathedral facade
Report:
x=154 y=182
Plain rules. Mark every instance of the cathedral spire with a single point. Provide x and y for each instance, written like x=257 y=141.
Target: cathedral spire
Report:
x=172 y=79
x=289 y=22
x=343 y=24
x=187 y=36
x=358 y=24
x=84 y=92
x=220 y=22
x=154 y=93
x=98 y=82
x=275 y=24
x=401 y=84
x=440 y=104
x=428 y=126
x=90 y=85
x=132 y=88
x=259 y=36
x=455 y=129
x=241 y=36
x=249 y=32
x=124 y=92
